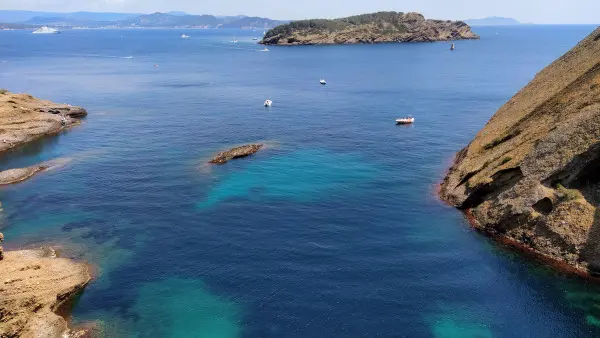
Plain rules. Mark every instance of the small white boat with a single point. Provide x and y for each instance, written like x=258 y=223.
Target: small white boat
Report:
x=234 y=40
x=268 y=103
x=254 y=39
x=323 y=82
x=264 y=49
x=46 y=30
x=183 y=36
x=405 y=120
x=452 y=47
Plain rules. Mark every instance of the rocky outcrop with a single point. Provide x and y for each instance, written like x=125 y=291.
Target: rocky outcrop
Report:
x=33 y=287
x=532 y=175
x=237 y=152
x=12 y=176
x=24 y=118
x=379 y=27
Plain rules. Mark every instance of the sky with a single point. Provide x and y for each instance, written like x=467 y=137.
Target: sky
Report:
x=534 y=11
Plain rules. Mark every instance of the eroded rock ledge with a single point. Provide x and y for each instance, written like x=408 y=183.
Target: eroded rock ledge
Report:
x=12 y=176
x=532 y=175
x=24 y=118
x=33 y=286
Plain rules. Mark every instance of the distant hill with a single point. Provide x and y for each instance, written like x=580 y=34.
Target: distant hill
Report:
x=381 y=27
x=168 y=20
x=493 y=21
x=10 y=16
x=155 y=20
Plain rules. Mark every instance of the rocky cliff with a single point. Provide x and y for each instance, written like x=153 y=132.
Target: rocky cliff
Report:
x=368 y=28
x=532 y=175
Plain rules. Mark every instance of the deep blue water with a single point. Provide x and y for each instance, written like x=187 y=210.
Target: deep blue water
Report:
x=334 y=230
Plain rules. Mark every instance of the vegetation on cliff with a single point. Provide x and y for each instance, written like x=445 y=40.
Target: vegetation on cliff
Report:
x=368 y=28
x=531 y=175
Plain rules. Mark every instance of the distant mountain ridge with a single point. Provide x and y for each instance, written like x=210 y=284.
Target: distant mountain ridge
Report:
x=18 y=16
x=493 y=21
x=154 y=20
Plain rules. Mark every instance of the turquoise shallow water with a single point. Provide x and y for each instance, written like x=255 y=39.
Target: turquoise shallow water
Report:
x=333 y=230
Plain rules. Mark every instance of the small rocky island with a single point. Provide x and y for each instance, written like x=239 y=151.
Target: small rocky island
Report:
x=382 y=27
x=237 y=152
x=531 y=177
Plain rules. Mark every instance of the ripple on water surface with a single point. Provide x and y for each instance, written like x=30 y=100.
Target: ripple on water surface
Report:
x=303 y=175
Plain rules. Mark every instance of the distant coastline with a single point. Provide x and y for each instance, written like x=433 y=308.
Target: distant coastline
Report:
x=31 y=20
x=493 y=21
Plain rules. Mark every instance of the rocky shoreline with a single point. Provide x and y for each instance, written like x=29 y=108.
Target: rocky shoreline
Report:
x=24 y=118
x=34 y=284
x=530 y=176
x=382 y=27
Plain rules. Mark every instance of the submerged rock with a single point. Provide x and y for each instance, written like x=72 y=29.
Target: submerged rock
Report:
x=532 y=175
x=237 y=152
x=17 y=175
x=32 y=289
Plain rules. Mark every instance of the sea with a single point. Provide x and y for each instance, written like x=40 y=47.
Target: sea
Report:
x=333 y=229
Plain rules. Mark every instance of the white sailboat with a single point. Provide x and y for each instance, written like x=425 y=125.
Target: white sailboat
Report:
x=234 y=40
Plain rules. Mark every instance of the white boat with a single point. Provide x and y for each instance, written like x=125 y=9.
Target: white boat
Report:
x=46 y=30
x=254 y=39
x=452 y=47
x=405 y=120
x=323 y=82
x=183 y=36
x=268 y=103
x=234 y=40
x=264 y=49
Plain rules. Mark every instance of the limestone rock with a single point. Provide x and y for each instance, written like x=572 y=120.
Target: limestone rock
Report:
x=237 y=152
x=532 y=174
x=17 y=175
x=24 y=118
x=32 y=288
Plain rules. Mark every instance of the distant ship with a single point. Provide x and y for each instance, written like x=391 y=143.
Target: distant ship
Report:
x=183 y=36
x=46 y=30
